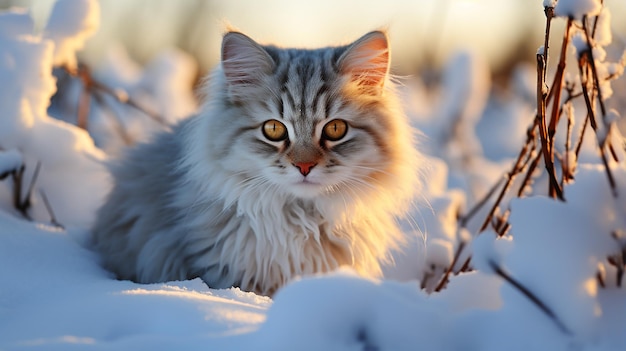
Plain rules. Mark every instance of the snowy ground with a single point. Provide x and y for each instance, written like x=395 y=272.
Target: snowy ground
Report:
x=55 y=296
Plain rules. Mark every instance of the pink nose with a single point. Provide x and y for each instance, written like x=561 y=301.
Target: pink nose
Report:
x=305 y=167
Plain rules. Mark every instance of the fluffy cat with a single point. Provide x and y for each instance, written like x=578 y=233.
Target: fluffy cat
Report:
x=301 y=161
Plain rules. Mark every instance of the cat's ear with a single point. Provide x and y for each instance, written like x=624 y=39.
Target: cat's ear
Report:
x=366 y=61
x=244 y=62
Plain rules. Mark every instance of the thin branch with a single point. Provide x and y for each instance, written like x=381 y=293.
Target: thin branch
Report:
x=529 y=175
x=594 y=71
x=53 y=218
x=466 y=265
x=600 y=279
x=463 y=221
x=558 y=88
x=91 y=84
x=531 y=296
x=568 y=166
x=579 y=144
x=583 y=62
x=510 y=176
x=555 y=189
x=82 y=111
x=23 y=203
x=549 y=12
x=32 y=183
x=444 y=279
x=118 y=125
x=18 y=179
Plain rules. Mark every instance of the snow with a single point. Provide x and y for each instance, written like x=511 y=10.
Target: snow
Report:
x=9 y=161
x=69 y=25
x=55 y=296
x=549 y=3
x=577 y=8
x=15 y=23
x=603 y=28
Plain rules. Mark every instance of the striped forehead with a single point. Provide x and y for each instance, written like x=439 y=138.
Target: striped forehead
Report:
x=305 y=78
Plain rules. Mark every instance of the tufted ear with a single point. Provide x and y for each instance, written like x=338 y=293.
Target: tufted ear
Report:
x=244 y=62
x=367 y=61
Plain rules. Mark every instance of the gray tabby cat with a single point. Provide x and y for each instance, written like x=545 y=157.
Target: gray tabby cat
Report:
x=300 y=162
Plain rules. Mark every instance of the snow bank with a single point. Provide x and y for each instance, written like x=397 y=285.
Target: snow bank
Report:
x=55 y=296
x=70 y=24
x=72 y=175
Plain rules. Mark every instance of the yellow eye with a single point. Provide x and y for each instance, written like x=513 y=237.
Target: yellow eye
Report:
x=335 y=129
x=274 y=130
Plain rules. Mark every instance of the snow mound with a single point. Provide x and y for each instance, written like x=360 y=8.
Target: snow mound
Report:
x=70 y=24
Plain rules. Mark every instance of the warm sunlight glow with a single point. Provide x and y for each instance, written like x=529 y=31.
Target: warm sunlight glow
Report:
x=67 y=339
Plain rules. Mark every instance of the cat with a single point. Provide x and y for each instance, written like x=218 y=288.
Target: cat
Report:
x=300 y=161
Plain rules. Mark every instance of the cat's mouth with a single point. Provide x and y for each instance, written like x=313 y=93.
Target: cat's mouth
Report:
x=307 y=188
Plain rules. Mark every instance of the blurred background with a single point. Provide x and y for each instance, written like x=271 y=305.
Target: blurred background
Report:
x=424 y=33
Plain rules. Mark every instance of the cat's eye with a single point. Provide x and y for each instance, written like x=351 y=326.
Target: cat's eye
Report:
x=274 y=130
x=335 y=130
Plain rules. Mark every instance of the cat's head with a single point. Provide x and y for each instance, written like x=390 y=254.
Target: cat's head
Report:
x=310 y=122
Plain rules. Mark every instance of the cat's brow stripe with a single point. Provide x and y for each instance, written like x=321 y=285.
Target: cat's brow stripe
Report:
x=290 y=100
x=321 y=91
x=328 y=105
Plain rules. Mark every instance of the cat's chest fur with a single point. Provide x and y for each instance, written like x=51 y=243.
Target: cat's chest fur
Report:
x=258 y=238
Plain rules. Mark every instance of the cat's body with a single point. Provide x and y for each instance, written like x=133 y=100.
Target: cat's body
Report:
x=300 y=162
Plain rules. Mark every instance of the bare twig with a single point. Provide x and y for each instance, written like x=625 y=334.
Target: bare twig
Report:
x=444 y=279
x=464 y=219
x=118 y=125
x=91 y=84
x=555 y=189
x=600 y=278
x=579 y=144
x=18 y=179
x=466 y=265
x=529 y=174
x=596 y=80
x=517 y=168
x=594 y=71
x=557 y=87
x=582 y=63
x=23 y=203
x=509 y=177
x=567 y=166
x=82 y=112
x=53 y=218
x=531 y=296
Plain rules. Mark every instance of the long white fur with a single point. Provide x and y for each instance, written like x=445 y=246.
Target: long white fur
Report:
x=255 y=233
